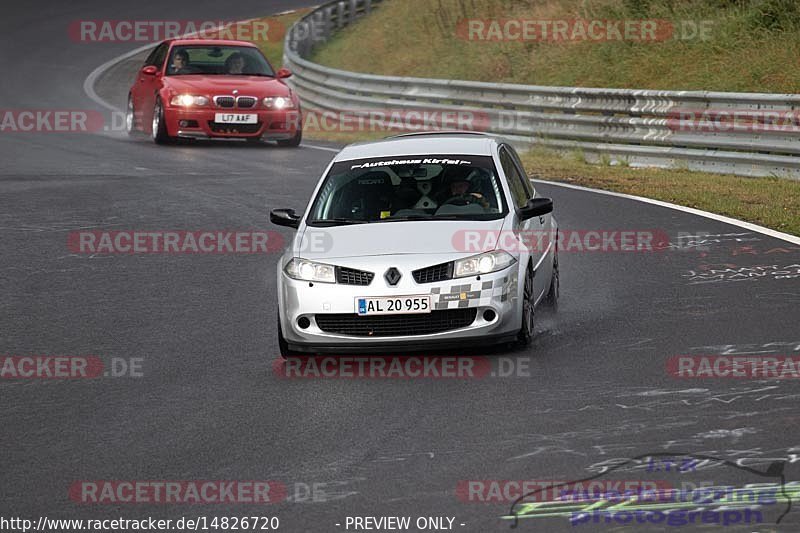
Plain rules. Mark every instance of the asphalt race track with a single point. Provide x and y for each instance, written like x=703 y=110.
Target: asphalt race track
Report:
x=209 y=406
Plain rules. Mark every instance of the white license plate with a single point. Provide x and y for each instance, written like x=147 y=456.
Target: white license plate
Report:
x=235 y=118
x=393 y=305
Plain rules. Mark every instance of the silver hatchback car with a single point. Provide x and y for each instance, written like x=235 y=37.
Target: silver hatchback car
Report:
x=416 y=242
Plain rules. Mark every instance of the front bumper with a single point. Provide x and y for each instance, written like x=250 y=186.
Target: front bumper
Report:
x=199 y=124
x=496 y=292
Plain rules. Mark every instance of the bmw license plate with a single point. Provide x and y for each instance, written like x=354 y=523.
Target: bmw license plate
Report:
x=235 y=118
x=393 y=305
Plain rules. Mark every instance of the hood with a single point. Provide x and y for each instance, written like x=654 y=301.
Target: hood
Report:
x=442 y=238
x=210 y=85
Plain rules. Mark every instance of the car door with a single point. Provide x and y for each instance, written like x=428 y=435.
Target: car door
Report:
x=522 y=191
x=147 y=85
x=548 y=225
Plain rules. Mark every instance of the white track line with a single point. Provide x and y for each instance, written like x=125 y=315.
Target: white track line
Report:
x=316 y=147
x=88 y=83
x=727 y=220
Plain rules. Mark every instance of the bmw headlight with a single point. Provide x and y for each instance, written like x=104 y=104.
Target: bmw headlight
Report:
x=305 y=270
x=483 y=263
x=279 y=102
x=188 y=100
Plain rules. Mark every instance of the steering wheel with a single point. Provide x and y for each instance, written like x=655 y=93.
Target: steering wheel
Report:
x=466 y=199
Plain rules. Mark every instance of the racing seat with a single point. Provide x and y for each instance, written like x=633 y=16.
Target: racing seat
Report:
x=378 y=192
x=366 y=196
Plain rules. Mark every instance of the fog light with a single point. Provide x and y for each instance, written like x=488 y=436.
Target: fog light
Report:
x=489 y=315
x=303 y=322
x=183 y=123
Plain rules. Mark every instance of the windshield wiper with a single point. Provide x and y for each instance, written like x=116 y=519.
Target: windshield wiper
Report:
x=406 y=217
x=338 y=221
x=421 y=217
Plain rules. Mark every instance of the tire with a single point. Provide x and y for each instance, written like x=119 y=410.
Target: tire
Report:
x=283 y=346
x=130 y=117
x=526 y=331
x=294 y=141
x=159 y=133
x=551 y=299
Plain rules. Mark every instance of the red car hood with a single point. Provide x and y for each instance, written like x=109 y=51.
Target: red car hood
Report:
x=210 y=85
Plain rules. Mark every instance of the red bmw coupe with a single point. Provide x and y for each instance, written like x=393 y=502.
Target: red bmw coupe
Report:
x=205 y=89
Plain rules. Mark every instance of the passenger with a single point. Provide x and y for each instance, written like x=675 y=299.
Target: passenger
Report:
x=235 y=64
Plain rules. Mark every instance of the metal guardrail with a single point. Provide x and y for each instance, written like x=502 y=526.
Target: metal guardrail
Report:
x=750 y=134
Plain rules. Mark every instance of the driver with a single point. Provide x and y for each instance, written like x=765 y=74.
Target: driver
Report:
x=458 y=192
x=180 y=63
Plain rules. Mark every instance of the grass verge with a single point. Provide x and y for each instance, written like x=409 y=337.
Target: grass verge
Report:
x=273 y=47
x=722 y=45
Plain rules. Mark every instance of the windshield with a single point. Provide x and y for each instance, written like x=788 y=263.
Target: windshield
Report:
x=223 y=60
x=409 y=188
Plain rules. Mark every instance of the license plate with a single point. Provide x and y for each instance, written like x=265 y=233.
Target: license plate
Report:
x=234 y=118
x=393 y=305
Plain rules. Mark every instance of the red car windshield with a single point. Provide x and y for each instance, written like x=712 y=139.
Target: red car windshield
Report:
x=217 y=60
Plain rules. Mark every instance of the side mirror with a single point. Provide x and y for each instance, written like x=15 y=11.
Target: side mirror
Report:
x=150 y=70
x=283 y=73
x=535 y=207
x=285 y=217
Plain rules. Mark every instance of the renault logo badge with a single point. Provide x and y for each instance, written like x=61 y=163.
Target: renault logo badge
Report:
x=392 y=276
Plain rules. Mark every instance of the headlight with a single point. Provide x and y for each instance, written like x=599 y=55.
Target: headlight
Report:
x=278 y=102
x=305 y=270
x=483 y=263
x=188 y=100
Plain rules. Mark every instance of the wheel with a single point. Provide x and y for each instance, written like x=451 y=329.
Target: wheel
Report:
x=526 y=331
x=130 y=117
x=159 y=132
x=294 y=141
x=283 y=346
x=551 y=299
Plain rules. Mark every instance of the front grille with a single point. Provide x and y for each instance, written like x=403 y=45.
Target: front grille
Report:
x=245 y=101
x=396 y=325
x=434 y=273
x=224 y=101
x=351 y=276
x=218 y=127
